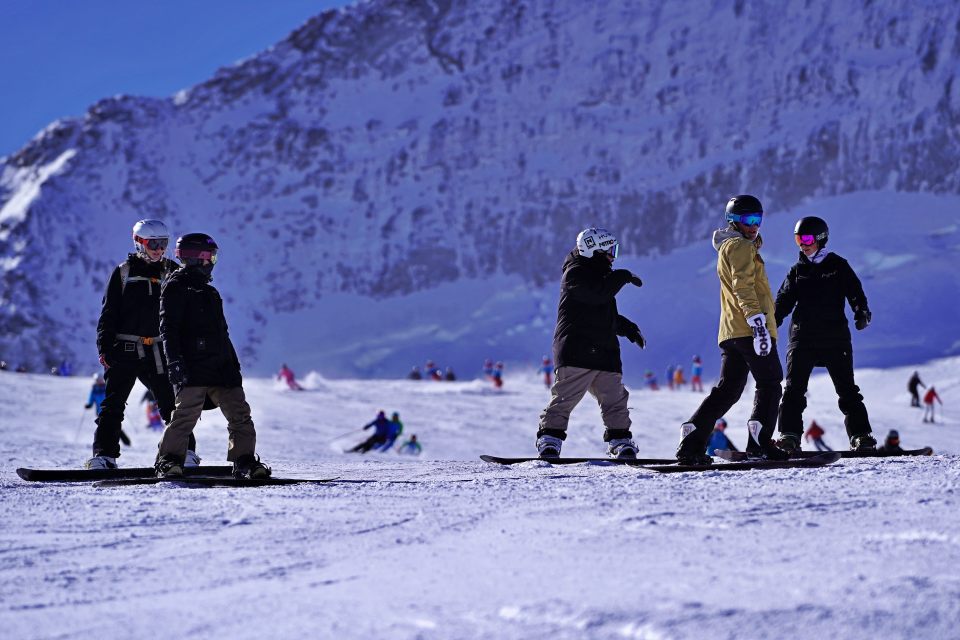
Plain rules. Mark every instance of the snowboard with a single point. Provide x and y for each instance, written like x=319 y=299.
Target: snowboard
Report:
x=627 y=461
x=87 y=475
x=820 y=460
x=738 y=456
x=211 y=481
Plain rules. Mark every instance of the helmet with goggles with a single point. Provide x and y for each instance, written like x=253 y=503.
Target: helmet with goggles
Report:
x=811 y=229
x=194 y=248
x=595 y=240
x=745 y=209
x=152 y=235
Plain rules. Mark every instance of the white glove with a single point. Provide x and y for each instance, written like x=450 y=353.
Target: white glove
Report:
x=761 y=337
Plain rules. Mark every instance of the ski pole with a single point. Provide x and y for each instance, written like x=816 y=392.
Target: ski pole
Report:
x=83 y=417
x=343 y=435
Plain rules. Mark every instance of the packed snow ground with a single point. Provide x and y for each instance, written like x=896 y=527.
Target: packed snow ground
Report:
x=446 y=546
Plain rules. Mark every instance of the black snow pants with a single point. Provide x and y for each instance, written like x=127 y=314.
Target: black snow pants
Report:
x=120 y=379
x=839 y=363
x=373 y=441
x=737 y=359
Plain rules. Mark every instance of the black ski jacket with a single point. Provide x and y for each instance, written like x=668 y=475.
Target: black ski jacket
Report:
x=132 y=309
x=815 y=294
x=194 y=331
x=587 y=319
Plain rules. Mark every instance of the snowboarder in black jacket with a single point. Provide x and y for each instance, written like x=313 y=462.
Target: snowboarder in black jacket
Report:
x=585 y=345
x=128 y=339
x=202 y=362
x=815 y=292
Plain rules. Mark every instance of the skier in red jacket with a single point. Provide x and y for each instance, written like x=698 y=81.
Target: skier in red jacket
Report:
x=928 y=399
x=816 y=433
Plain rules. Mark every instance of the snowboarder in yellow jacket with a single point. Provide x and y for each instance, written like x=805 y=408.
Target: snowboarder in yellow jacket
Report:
x=747 y=338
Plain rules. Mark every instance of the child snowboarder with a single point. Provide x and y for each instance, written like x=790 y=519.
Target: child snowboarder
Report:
x=410 y=447
x=815 y=292
x=128 y=340
x=202 y=363
x=286 y=374
x=696 y=375
x=585 y=345
x=719 y=439
x=381 y=429
x=815 y=433
x=928 y=399
x=747 y=338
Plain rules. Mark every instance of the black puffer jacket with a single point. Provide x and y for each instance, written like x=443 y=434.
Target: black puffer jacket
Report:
x=815 y=294
x=133 y=309
x=194 y=331
x=587 y=319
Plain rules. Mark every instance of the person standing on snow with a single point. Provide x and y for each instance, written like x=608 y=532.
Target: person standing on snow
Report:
x=669 y=377
x=97 y=393
x=381 y=430
x=747 y=339
x=286 y=374
x=128 y=340
x=912 y=387
x=585 y=345
x=928 y=399
x=433 y=371
x=719 y=439
x=202 y=363
x=696 y=375
x=498 y=375
x=546 y=368
x=815 y=291
x=816 y=433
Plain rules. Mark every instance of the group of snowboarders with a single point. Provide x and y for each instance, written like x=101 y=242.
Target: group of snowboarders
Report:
x=385 y=434
x=814 y=293
x=163 y=323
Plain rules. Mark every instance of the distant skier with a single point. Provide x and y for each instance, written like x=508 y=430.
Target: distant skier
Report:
x=286 y=374
x=381 y=430
x=394 y=430
x=586 y=349
x=487 y=369
x=650 y=380
x=449 y=375
x=154 y=420
x=719 y=439
x=815 y=291
x=678 y=379
x=128 y=340
x=815 y=433
x=433 y=371
x=498 y=375
x=912 y=387
x=97 y=393
x=410 y=447
x=891 y=444
x=546 y=369
x=202 y=363
x=669 y=376
x=65 y=368
x=928 y=398
x=747 y=338
x=696 y=375
x=415 y=373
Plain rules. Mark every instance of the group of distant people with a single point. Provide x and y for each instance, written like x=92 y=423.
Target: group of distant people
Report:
x=432 y=372
x=385 y=434
x=931 y=396
x=675 y=378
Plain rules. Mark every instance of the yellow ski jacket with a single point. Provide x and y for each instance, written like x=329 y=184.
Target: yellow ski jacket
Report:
x=744 y=289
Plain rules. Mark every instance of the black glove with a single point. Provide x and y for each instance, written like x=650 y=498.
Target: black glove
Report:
x=634 y=336
x=176 y=373
x=635 y=281
x=88 y=405
x=862 y=317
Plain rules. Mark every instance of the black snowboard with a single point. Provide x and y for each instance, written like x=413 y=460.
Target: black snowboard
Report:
x=87 y=475
x=820 y=460
x=738 y=456
x=204 y=481
x=627 y=461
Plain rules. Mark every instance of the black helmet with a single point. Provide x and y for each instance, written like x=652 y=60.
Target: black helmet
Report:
x=743 y=205
x=195 y=247
x=812 y=226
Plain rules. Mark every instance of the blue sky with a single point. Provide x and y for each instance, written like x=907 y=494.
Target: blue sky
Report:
x=58 y=57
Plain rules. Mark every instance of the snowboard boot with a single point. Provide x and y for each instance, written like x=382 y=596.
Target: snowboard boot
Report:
x=622 y=449
x=691 y=450
x=865 y=442
x=100 y=462
x=789 y=443
x=192 y=459
x=169 y=466
x=249 y=467
x=549 y=446
x=772 y=452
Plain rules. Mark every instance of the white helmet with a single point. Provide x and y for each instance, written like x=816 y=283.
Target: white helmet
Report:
x=150 y=232
x=593 y=239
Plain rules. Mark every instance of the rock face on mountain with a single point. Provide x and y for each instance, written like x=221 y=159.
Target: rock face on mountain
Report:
x=395 y=146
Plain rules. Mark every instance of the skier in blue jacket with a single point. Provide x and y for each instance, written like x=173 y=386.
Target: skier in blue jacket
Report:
x=719 y=439
x=381 y=429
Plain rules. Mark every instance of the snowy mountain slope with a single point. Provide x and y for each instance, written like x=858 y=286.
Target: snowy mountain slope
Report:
x=862 y=549
x=394 y=150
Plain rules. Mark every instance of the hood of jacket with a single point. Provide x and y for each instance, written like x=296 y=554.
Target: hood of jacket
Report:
x=730 y=232
x=596 y=263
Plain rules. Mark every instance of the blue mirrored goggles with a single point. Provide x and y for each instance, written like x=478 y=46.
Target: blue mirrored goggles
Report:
x=612 y=250
x=749 y=219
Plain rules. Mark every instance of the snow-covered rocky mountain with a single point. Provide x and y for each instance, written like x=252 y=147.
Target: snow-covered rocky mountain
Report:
x=400 y=180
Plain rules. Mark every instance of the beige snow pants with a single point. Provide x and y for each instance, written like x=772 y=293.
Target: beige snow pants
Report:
x=569 y=388
x=189 y=405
